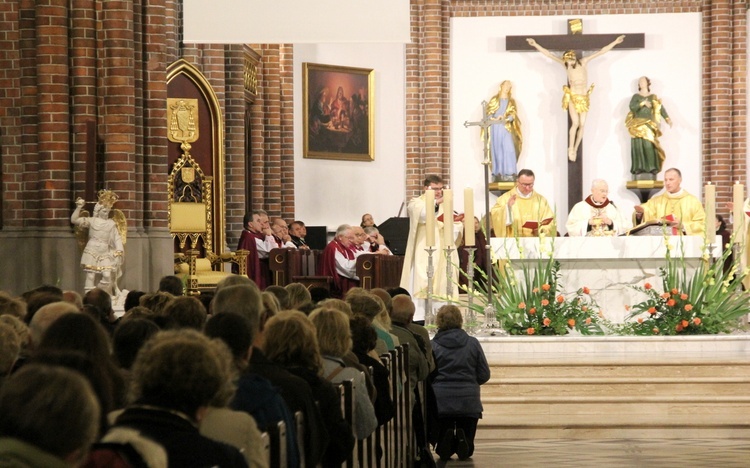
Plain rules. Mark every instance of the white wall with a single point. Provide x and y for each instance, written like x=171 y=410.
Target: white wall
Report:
x=330 y=193
x=671 y=59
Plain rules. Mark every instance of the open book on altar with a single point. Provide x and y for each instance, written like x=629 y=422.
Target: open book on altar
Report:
x=656 y=227
x=457 y=218
x=536 y=224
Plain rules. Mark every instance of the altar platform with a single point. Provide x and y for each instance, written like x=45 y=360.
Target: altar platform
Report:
x=616 y=387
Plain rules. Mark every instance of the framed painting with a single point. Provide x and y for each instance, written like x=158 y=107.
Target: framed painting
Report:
x=338 y=115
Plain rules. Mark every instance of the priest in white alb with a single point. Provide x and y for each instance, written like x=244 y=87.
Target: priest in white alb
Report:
x=597 y=215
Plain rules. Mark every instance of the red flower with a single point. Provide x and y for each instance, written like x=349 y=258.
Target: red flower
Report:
x=678 y=327
x=683 y=296
x=664 y=295
x=547 y=321
x=530 y=331
x=545 y=302
x=586 y=290
x=652 y=310
x=535 y=290
x=697 y=320
x=560 y=299
x=647 y=286
x=545 y=287
x=671 y=302
x=584 y=308
x=640 y=319
x=532 y=311
x=688 y=307
x=571 y=323
x=655 y=330
x=684 y=323
x=588 y=320
x=522 y=305
x=675 y=291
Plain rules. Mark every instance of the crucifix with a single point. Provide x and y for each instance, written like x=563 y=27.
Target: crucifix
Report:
x=576 y=93
x=485 y=124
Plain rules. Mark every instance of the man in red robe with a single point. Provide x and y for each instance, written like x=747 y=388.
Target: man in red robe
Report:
x=251 y=237
x=339 y=261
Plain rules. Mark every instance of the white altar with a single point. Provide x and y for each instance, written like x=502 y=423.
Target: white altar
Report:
x=608 y=266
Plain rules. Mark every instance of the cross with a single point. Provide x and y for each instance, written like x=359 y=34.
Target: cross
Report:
x=485 y=124
x=574 y=40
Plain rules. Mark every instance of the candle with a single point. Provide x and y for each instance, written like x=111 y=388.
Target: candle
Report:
x=738 y=212
x=469 y=235
x=709 y=195
x=429 y=217
x=448 y=239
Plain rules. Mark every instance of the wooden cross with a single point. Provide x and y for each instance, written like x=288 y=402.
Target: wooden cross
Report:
x=574 y=40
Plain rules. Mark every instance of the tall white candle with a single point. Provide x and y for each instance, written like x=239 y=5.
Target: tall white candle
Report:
x=709 y=194
x=429 y=217
x=738 y=212
x=469 y=235
x=448 y=239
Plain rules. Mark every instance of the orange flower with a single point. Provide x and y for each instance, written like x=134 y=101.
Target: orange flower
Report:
x=652 y=310
x=683 y=296
x=688 y=307
x=571 y=323
x=547 y=321
x=586 y=290
x=627 y=307
x=697 y=320
x=584 y=308
x=664 y=295
x=545 y=302
x=560 y=299
x=671 y=302
x=655 y=330
x=588 y=320
x=545 y=287
x=684 y=323
x=678 y=327
x=640 y=319
x=522 y=305
x=647 y=286
x=535 y=290
x=532 y=311
x=530 y=331
x=675 y=291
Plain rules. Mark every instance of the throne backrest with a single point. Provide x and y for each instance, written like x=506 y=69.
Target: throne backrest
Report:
x=190 y=210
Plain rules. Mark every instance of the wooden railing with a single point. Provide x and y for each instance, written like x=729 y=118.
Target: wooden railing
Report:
x=292 y=265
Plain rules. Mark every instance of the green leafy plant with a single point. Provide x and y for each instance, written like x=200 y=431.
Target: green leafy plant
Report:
x=529 y=300
x=710 y=300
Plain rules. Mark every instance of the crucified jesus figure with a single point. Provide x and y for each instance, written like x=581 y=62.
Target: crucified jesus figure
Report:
x=576 y=96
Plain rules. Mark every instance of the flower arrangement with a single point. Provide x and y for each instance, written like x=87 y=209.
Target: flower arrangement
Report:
x=531 y=301
x=711 y=300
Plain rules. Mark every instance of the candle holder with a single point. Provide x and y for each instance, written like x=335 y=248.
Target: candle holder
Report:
x=449 y=272
x=471 y=317
x=429 y=317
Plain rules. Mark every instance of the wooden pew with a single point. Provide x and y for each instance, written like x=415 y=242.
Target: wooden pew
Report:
x=346 y=392
x=287 y=263
x=379 y=271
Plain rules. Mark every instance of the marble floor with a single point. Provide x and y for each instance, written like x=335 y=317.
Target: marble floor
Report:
x=610 y=453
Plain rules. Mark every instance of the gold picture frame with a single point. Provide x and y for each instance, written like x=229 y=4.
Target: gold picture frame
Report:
x=338 y=112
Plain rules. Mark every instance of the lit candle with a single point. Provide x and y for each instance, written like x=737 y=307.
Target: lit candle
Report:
x=709 y=194
x=469 y=235
x=429 y=217
x=448 y=239
x=738 y=212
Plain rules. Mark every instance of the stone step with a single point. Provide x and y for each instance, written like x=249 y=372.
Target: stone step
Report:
x=518 y=409
x=563 y=370
x=560 y=390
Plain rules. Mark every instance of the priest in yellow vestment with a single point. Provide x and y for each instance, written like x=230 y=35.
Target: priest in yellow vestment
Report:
x=675 y=206
x=522 y=212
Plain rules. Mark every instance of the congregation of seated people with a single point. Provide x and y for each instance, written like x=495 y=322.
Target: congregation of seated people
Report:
x=174 y=380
